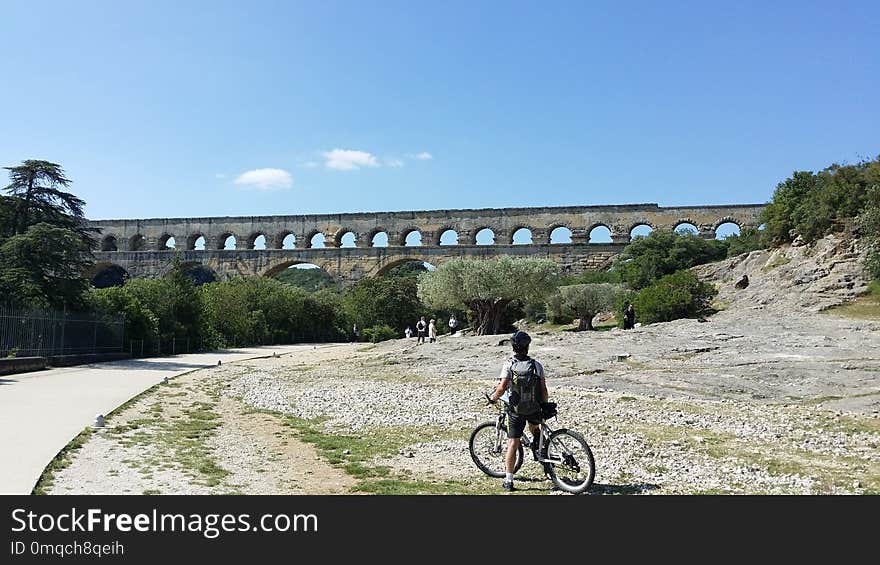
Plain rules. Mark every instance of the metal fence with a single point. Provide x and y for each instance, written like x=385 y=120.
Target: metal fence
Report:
x=34 y=333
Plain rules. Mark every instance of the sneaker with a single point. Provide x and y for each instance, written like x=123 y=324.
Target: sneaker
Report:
x=508 y=486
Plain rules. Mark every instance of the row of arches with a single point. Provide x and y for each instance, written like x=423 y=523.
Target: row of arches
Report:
x=105 y=275
x=599 y=234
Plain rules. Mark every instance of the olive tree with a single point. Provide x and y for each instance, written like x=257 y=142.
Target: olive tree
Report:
x=584 y=301
x=487 y=287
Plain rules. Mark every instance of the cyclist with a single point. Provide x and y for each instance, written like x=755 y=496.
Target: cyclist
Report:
x=523 y=378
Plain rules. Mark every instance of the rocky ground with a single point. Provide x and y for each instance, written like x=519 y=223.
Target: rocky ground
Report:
x=771 y=395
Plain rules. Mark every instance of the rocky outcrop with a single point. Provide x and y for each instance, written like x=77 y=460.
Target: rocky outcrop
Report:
x=811 y=277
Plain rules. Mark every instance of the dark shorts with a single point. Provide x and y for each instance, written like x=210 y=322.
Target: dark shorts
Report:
x=516 y=423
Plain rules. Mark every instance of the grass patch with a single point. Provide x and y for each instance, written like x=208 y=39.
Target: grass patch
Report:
x=820 y=400
x=409 y=486
x=151 y=491
x=853 y=424
x=61 y=461
x=682 y=356
x=830 y=472
x=627 y=399
x=637 y=364
x=865 y=307
x=354 y=453
x=778 y=261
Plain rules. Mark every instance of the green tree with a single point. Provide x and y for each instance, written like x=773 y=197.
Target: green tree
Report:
x=37 y=195
x=584 y=301
x=42 y=267
x=487 y=287
x=307 y=279
x=141 y=324
x=45 y=245
x=812 y=205
x=869 y=225
x=679 y=295
x=661 y=253
x=177 y=305
x=391 y=301
x=779 y=215
x=749 y=239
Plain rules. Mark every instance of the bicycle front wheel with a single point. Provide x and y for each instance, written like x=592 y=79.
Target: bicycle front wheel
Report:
x=488 y=446
x=572 y=468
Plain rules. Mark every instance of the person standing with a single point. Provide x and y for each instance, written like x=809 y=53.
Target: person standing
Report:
x=523 y=377
x=355 y=333
x=408 y=332
x=432 y=331
x=421 y=330
x=453 y=324
x=629 y=317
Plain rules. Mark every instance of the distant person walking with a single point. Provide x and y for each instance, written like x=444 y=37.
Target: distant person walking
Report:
x=453 y=325
x=432 y=331
x=408 y=332
x=421 y=330
x=629 y=317
x=355 y=333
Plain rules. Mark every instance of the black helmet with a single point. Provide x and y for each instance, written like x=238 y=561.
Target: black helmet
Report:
x=520 y=342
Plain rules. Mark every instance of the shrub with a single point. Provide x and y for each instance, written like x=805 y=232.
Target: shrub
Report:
x=748 y=240
x=679 y=295
x=662 y=253
x=379 y=333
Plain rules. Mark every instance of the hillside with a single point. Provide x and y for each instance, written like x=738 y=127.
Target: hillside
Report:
x=794 y=278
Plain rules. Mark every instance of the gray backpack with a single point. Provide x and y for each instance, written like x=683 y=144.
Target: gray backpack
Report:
x=525 y=387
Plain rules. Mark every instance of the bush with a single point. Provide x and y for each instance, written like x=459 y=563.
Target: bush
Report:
x=662 y=253
x=873 y=263
x=679 y=295
x=748 y=240
x=379 y=333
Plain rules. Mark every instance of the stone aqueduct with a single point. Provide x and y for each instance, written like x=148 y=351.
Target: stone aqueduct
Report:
x=141 y=246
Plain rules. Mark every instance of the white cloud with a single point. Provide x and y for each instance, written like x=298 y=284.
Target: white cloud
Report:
x=394 y=163
x=265 y=179
x=423 y=156
x=349 y=159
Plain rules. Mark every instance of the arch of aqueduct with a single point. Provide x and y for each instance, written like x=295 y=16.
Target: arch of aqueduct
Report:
x=140 y=246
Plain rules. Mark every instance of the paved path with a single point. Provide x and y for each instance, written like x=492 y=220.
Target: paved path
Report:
x=41 y=412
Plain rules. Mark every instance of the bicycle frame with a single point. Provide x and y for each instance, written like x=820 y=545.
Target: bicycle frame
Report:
x=542 y=437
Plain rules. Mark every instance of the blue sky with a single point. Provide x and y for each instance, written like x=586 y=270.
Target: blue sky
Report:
x=167 y=109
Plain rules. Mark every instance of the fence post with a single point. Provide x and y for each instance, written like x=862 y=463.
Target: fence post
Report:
x=63 y=325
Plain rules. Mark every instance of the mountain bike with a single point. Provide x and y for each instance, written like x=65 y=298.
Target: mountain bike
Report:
x=564 y=454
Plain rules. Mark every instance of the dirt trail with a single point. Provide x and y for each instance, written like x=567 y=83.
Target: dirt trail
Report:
x=187 y=438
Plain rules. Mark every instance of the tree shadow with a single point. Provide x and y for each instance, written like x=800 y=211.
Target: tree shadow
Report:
x=638 y=488
x=151 y=365
x=543 y=484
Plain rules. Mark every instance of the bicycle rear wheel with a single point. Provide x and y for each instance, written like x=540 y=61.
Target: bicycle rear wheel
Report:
x=488 y=446
x=572 y=466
